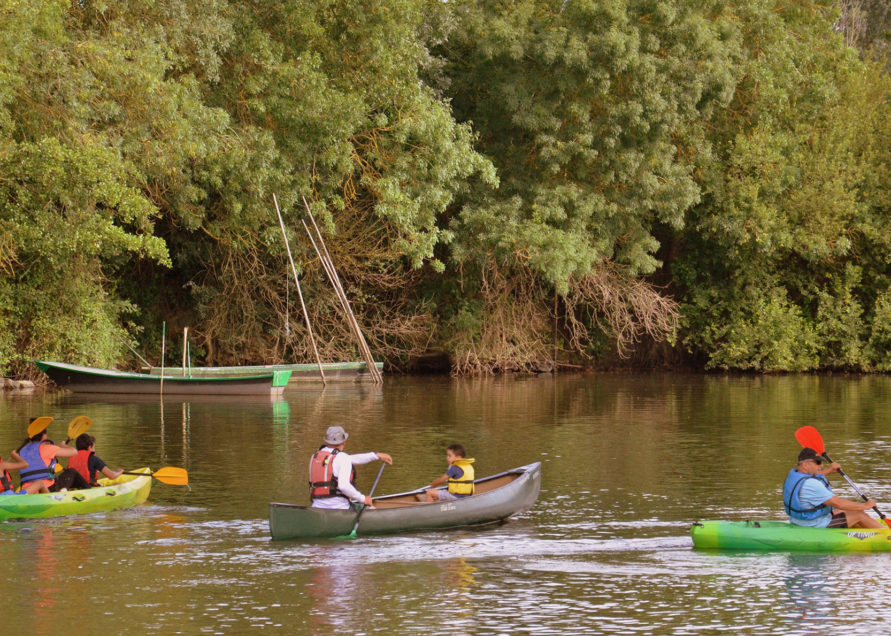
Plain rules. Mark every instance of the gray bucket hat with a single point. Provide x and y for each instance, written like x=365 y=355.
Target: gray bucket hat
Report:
x=335 y=435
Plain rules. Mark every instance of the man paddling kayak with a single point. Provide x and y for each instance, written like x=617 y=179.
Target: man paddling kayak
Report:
x=809 y=501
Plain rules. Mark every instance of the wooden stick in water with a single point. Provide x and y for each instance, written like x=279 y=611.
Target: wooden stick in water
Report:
x=163 y=344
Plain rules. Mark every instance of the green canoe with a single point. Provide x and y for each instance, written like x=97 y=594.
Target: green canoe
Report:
x=497 y=498
x=783 y=536
x=123 y=492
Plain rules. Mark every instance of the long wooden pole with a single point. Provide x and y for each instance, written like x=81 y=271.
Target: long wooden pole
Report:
x=163 y=345
x=185 y=344
x=312 y=339
x=328 y=263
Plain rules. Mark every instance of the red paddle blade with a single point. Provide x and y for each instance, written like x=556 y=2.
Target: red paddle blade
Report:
x=809 y=437
x=887 y=522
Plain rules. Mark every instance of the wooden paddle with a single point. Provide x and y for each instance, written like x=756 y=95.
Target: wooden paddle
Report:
x=168 y=475
x=352 y=535
x=809 y=437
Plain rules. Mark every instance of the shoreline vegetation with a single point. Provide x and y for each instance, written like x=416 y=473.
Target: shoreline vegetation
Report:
x=503 y=186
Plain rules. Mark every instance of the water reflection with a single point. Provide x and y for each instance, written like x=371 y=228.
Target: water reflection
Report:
x=629 y=462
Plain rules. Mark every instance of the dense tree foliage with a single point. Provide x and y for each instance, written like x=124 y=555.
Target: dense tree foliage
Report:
x=503 y=181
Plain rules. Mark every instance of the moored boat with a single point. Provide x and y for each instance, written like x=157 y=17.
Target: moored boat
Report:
x=111 y=494
x=334 y=371
x=497 y=498
x=91 y=380
x=784 y=536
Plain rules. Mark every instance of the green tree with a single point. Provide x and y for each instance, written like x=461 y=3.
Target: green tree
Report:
x=780 y=263
x=591 y=112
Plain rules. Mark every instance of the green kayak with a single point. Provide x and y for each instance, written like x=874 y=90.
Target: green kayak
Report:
x=783 y=536
x=123 y=492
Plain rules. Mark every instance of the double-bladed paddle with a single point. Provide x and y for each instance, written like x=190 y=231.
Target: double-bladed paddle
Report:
x=352 y=534
x=809 y=437
x=167 y=475
x=78 y=426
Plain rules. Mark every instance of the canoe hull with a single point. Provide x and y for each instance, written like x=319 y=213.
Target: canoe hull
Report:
x=334 y=371
x=287 y=521
x=91 y=380
x=783 y=536
x=123 y=492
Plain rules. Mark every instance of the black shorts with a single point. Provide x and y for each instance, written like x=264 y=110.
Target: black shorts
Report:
x=839 y=520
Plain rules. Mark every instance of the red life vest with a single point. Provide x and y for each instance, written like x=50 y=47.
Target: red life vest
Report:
x=81 y=463
x=6 y=480
x=322 y=482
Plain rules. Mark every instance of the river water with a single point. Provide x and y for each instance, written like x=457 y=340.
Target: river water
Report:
x=629 y=461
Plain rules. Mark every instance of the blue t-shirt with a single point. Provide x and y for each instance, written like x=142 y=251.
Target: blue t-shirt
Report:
x=813 y=493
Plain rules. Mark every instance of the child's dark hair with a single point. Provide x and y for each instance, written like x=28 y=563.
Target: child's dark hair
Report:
x=84 y=441
x=458 y=450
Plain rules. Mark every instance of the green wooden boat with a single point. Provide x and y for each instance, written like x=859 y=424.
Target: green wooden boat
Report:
x=497 y=498
x=334 y=371
x=784 y=536
x=112 y=494
x=91 y=380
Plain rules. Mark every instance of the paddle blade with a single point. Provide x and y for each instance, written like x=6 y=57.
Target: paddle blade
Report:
x=809 y=437
x=172 y=475
x=887 y=522
x=38 y=425
x=78 y=426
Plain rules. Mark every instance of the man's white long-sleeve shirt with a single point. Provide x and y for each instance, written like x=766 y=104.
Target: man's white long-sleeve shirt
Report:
x=341 y=468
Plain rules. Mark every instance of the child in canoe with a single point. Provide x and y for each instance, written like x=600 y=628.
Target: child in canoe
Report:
x=88 y=464
x=17 y=463
x=459 y=477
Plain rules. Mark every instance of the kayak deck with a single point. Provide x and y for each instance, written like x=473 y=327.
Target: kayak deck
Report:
x=784 y=536
x=111 y=494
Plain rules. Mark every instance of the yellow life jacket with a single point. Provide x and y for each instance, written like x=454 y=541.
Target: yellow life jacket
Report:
x=463 y=486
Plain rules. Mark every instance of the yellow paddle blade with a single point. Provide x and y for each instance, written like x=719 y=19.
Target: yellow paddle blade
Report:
x=38 y=425
x=172 y=475
x=78 y=426
x=58 y=467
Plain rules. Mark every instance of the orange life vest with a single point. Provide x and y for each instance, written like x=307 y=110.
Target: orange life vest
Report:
x=322 y=482
x=81 y=463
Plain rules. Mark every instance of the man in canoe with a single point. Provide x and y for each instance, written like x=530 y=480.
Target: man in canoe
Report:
x=809 y=501
x=332 y=476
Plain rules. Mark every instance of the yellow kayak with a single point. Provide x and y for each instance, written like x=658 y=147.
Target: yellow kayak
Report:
x=783 y=536
x=111 y=494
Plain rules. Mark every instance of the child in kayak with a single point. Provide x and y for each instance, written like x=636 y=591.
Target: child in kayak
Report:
x=39 y=474
x=88 y=464
x=459 y=477
x=17 y=463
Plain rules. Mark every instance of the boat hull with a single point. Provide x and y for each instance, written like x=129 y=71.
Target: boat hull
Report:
x=91 y=380
x=783 y=536
x=112 y=494
x=334 y=371
x=511 y=492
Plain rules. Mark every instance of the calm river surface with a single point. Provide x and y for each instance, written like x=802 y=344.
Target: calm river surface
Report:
x=629 y=461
